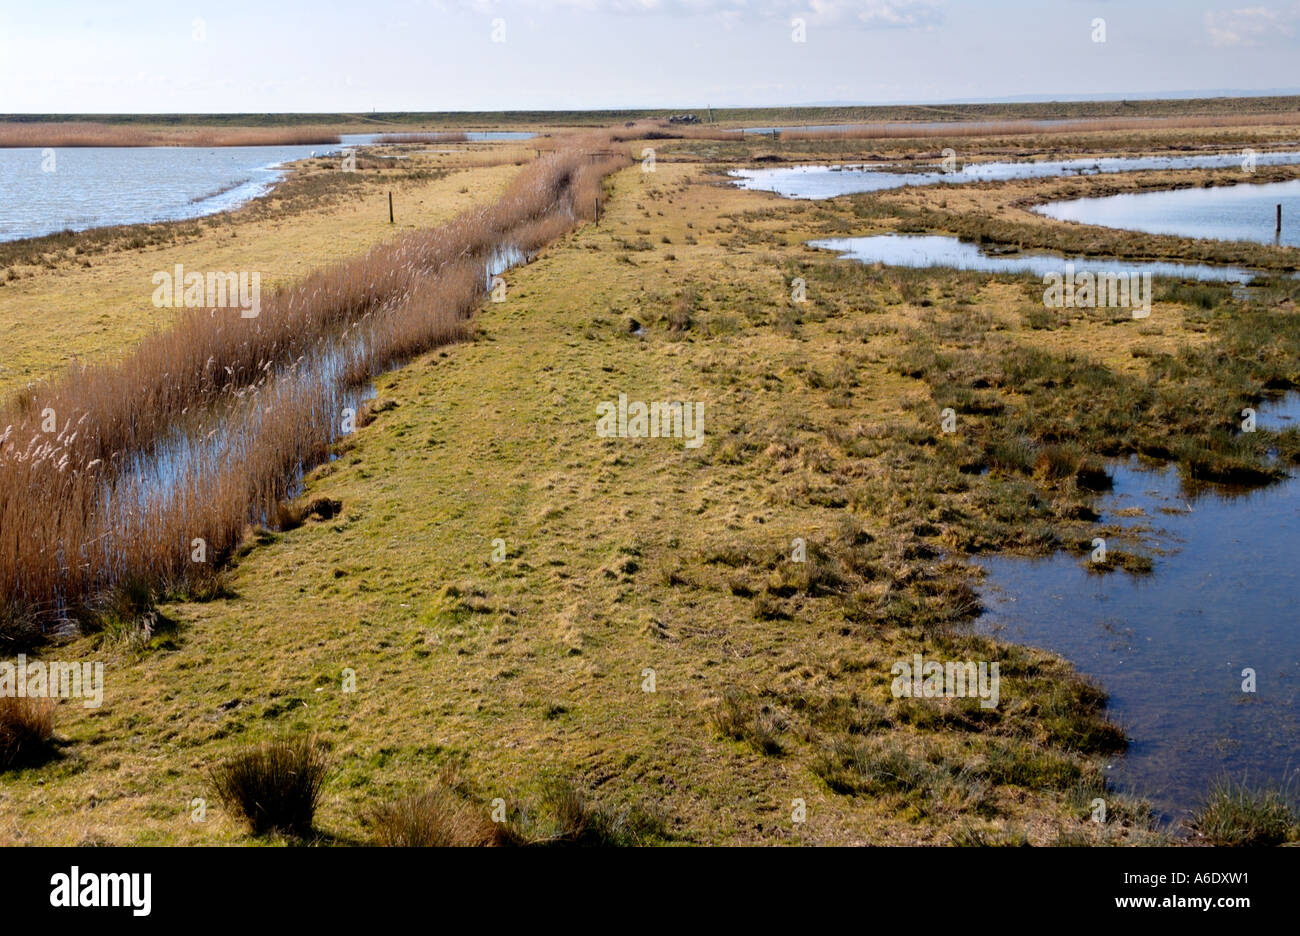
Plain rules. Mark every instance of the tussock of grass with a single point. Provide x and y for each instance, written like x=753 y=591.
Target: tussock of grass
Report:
x=438 y=818
x=275 y=786
x=1237 y=815
x=1121 y=559
x=20 y=628
x=26 y=726
x=744 y=718
x=566 y=815
x=680 y=314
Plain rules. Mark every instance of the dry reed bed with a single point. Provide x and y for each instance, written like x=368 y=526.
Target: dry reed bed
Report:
x=1021 y=127
x=439 y=136
x=85 y=133
x=635 y=130
x=204 y=427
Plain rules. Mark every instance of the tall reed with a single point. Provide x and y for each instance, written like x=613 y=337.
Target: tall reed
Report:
x=437 y=136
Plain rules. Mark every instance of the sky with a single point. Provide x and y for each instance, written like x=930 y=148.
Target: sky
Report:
x=199 y=56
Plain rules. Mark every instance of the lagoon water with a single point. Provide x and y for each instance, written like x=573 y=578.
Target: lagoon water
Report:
x=92 y=187
x=99 y=186
x=1171 y=647
x=816 y=182
x=1235 y=212
x=929 y=250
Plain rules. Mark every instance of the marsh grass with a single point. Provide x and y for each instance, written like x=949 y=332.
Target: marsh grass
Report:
x=914 y=773
x=1056 y=416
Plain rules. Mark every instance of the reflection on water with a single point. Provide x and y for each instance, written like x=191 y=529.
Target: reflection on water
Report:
x=829 y=181
x=928 y=250
x=1232 y=212
x=1170 y=648
x=1280 y=414
x=162 y=482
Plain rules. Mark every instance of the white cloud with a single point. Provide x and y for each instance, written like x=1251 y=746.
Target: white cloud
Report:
x=1250 y=26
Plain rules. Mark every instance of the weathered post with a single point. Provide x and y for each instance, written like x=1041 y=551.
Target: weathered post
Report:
x=1278 y=230
x=390 y=207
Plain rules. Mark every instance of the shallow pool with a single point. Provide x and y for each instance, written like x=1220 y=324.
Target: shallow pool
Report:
x=1171 y=647
x=931 y=250
x=1232 y=212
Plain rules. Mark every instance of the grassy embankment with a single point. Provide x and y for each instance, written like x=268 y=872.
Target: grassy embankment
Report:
x=772 y=678
x=254 y=386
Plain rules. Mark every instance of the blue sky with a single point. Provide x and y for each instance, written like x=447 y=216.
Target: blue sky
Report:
x=198 y=56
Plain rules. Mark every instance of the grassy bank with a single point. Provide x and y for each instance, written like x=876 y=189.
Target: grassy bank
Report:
x=214 y=374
